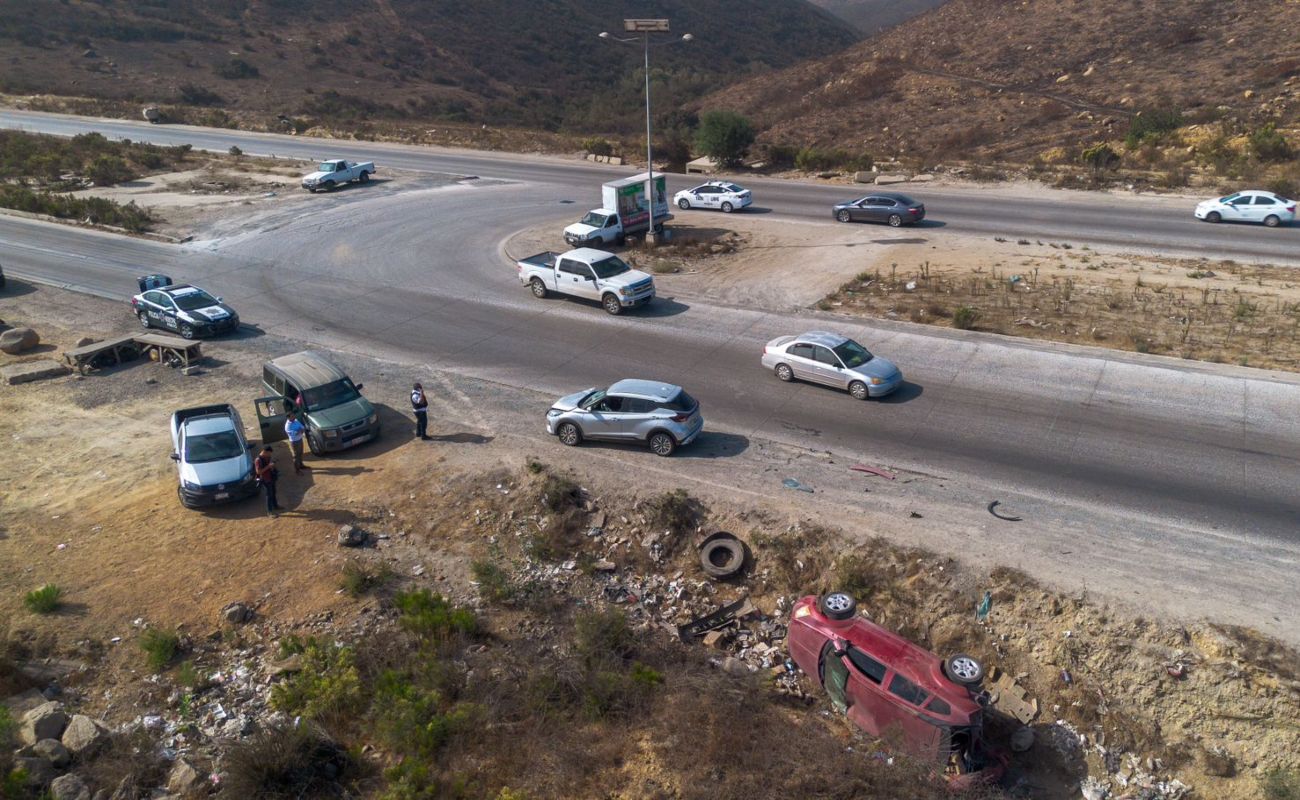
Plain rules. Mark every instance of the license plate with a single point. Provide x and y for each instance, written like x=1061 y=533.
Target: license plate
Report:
x=222 y=495
x=358 y=440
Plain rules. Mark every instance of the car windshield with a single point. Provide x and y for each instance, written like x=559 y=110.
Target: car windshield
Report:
x=326 y=166
x=193 y=300
x=330 y=395
x=592 y=399
x=853 y=354
x=212 y=447
x=1229 y=198
x=593 y=219
x=609 y=267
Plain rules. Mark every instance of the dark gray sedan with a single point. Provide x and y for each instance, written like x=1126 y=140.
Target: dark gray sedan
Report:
x=890 y=207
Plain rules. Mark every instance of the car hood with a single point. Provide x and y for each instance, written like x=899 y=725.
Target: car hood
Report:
x=846 y=204
x=1207 y=203
x=570 y=401
x=632 y=277
x=580 y=229
x=877 y=368
x=211 y=313
x=315 y=176
x=340 y=415
x=211 y=473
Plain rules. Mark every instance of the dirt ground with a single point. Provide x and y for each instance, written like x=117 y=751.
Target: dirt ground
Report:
x=90 y=506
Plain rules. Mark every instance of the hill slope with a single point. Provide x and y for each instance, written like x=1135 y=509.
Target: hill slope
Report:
x=870 y=16
x=536 y=63
x=1012 y=78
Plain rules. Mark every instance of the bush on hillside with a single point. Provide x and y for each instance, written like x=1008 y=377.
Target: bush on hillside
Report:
x=724 y=136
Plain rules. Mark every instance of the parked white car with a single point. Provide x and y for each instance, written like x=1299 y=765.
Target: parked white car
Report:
x=1249 y=206
x=335 y=172
x=213 y=462
x=724 y=196
x=588 y=273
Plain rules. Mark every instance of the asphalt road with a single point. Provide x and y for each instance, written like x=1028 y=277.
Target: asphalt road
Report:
x=1213 y=450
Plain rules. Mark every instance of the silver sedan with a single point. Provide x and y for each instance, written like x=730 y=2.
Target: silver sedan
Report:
x=834 y=360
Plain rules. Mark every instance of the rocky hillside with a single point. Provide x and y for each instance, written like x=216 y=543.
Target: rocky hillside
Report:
x=1013 y=79
x=534 y=64
x=870 y=16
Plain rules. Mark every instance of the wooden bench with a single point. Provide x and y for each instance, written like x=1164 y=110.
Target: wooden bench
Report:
x=117 y=348
x=159 y=347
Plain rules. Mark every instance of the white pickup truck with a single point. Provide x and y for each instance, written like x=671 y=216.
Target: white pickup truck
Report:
x=336 y=171
x=588 y=273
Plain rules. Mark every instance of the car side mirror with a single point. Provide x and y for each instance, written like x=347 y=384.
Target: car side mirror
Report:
x=360 y=386
x=175 y=457
x=219 y=300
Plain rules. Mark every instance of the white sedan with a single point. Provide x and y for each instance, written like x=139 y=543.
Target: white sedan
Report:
x=1250 y=206
x=715 y=194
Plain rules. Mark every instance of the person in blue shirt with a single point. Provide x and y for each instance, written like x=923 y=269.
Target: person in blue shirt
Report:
x=295 y=430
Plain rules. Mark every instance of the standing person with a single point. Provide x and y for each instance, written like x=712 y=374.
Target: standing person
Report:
x=267 y=474
x=420 y=405
x=295 y=430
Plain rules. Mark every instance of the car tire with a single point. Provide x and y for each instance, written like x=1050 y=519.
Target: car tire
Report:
x=568 y=434
x=1214 y=216
x=727 y=208
x=684 y=204
x=1272 y=220
x=662 y=444
x=364 y=177
x=784 y=373
x=963 y=669
x=316 y=448
x=838 y=606
x=328 y=186
x=181 y=497
x=311 y=189
x=895 y=221
x=620 y=240
x=144 y=320
x=858 y=390
x=611 y=305
x=843 y=216
x=186 y=330
x=539 y=288
x=722 y=556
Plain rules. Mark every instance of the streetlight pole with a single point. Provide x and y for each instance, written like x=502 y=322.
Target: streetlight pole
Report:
x=645 y=27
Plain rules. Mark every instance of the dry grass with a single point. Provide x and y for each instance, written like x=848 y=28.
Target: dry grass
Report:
x=1220 y=312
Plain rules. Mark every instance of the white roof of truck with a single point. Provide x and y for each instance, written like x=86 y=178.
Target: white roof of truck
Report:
x=587 y=255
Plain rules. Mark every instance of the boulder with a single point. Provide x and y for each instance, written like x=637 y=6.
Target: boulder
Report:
x=53 y=751
x=46 y=721
x=29 y=371
x=183 y=777
x=18 y=340
x=351 y=536
x=152 y=113
x=85 y=340
x=69 y=787
x=39 y=770
x=885 y=180
x=864 y=177
x=84 y=736
x=236 y=613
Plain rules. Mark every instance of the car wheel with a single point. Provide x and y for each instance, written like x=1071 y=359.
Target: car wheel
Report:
x=364 y=177
x=837 y=606
x=181 y=497
x=843 y=216
x=727 y=208
x=187 y=331
x=684 y=204
x=895 y=221
x=859 y=390
x=620 y=240
x=612 y=306
x=722 y=556
x=1272 y=220
x=316 y=448
x=144 y=320
x=1214 y=216
x=539 y=288
x=311 y=189
x=662 y=444
x=569 y=435
x=328 y=186
x=963 y=669
x=784 y=372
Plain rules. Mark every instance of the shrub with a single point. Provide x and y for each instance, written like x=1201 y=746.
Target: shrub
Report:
x=812 y=159
x=107 y=170
x=558 y=493
x=724 y=136
x=1151 y=124
x=603 y=635
x=358 y=580
x=1100 y=157
x=236 y=69
x=1284 y=186
x=96 y=210
x=1281 y=784
x=160 y=647
x=598 y=146
x=430 y=617
x=965 y=317
x=675 y=511
x=493 y=582
x=1267 y=144
x=285 y=761
x=414 y=720
x=782 y=155
x=235 y=151
x=44 y=600
x=328 y=683
x=195 y=95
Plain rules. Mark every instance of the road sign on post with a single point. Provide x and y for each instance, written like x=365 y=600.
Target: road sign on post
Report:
x=646 y=25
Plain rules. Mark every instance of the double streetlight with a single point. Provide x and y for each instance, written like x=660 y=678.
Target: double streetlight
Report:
x=645 y=27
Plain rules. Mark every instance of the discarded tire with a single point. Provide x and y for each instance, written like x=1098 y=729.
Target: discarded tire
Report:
x=837 y=606
x=722 y=555
x=963 y=669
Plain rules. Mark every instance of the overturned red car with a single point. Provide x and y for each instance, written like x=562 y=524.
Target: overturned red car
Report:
x=894 y=689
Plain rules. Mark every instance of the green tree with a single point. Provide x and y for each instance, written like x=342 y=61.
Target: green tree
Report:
x=724 y=136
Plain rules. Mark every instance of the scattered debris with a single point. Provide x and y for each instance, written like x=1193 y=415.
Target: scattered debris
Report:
x=791 y=483
x=874 y=471
x=720 y=618
x=985 y=606
x=1009 y=697
x=722 y=555
x=993 y=510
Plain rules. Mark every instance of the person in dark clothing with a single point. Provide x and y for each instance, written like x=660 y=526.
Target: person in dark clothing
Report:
x=267 y=474
x=420 y=405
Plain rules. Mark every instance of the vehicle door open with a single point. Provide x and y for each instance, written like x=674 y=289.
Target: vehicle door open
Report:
x=270 y=418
